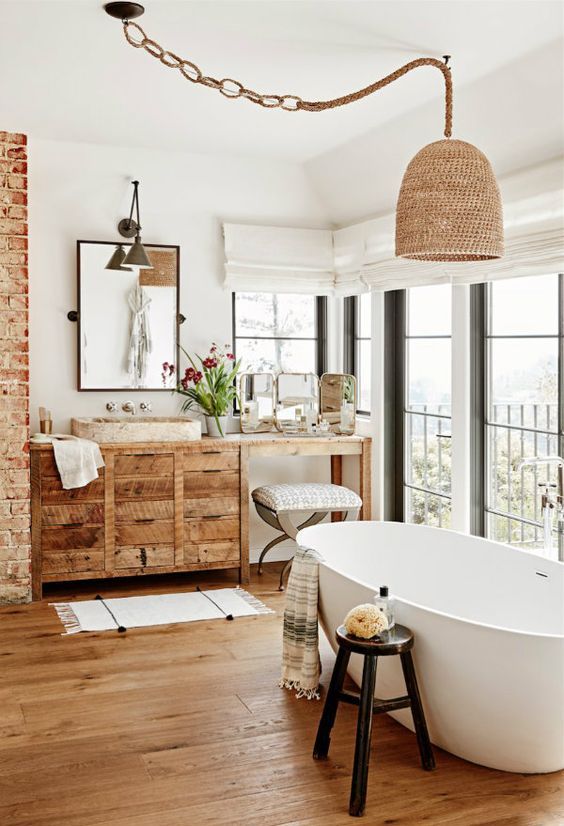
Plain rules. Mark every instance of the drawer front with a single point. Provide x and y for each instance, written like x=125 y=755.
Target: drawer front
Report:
x=214 y=483
x=206 y=461
x=214 y=506
x=212 y=552
x=73 y=515
x=49 y=468
x=144 y=556
x=148 y=464
x=69 y=562
x=67 y=538
x=137 y=512
x=213 y=528
x=156 y=532
x=155 y=487
x=52 y=492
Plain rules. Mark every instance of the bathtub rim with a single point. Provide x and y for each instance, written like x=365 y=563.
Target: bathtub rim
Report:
x=419 y=605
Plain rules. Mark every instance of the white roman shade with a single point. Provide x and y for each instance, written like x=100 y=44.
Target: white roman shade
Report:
x=278 y=259
x=362 y=257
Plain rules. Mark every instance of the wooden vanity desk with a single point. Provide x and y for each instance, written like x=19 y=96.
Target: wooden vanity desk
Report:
x=161 y=507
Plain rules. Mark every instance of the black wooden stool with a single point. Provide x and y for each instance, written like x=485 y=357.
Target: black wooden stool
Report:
x=399 y=640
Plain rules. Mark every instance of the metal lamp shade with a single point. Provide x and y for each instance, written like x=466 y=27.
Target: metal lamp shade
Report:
x=117 y=259
x=449 y=206
x=137 y=256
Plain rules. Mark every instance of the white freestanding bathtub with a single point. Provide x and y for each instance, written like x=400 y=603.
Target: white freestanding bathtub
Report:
x=489 y=634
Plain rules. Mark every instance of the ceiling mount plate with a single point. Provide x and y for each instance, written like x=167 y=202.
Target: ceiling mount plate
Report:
x=124 y=11
x=128 y=228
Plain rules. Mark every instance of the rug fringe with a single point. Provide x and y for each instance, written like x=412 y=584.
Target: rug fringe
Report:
x=67 y=617
x=294 y=685
x=255 y=603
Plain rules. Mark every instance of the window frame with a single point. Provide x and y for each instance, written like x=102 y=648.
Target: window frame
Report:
x=480 y=320
x=320 y=338
x=351 y=309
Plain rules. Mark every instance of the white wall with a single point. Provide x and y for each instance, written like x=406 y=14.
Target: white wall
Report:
x=80 y=191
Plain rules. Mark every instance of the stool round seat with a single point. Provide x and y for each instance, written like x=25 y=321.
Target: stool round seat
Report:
x=306 y=496
x=397 y=640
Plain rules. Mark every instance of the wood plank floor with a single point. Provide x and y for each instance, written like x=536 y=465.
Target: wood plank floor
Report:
x=185 y=726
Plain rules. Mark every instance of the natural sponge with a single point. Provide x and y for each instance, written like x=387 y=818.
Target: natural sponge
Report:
x=365 y=621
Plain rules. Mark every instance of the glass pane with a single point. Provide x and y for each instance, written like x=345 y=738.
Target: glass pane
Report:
x=364 y=309
x=513 y=532
x=428 y=446
x=524 y=381
x=363 y=353
x=524 y=306
x=429 y=310
x=273 y=314
x=425 y=509
x=428 y=375
x=512 y=490
x=279 y=356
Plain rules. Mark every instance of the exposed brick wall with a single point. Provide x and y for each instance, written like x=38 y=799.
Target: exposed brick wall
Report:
x=15 y=548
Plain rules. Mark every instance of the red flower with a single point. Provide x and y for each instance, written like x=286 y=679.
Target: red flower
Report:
x=189 y=373
x=198 y=377
x=230 y=356
x=184 y=383
x=209 y=363
x=171 y=368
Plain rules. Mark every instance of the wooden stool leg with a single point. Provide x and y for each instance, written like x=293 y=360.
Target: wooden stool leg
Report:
x=363 y=734
x=423 y=741
x=321 y=747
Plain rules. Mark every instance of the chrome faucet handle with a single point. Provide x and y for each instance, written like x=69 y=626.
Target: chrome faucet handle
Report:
x=111 y=407
x=129 y=407
x=146 y=407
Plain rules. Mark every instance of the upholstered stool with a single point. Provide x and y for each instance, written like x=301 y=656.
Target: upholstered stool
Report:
x=275 y=503
x=399 y=640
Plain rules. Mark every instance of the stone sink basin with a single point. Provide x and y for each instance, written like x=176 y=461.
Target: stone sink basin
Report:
x=137 y=429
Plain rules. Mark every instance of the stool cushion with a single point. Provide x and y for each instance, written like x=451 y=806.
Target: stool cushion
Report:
x=308 y=496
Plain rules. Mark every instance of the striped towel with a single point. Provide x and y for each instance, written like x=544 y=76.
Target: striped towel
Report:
x=301 y=666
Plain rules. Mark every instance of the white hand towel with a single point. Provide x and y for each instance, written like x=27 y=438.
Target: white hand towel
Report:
x=77 y=460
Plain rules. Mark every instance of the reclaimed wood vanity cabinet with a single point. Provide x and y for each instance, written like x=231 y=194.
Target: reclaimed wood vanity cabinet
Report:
x=155 y=508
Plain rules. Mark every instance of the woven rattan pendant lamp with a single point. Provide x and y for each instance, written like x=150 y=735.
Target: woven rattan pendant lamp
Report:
x=449 y=207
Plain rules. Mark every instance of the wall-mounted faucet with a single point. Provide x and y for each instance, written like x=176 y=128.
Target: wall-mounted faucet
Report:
x=129 y=407
x=146 y=407
x=552 y=501
x=111 y=407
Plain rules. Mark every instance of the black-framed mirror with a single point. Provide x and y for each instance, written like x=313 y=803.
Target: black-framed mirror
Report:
x=128 y=319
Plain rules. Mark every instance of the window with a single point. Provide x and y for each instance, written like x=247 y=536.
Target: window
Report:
x=358 y=342
x=427 y=406
x=523 y=340
x=280 y=332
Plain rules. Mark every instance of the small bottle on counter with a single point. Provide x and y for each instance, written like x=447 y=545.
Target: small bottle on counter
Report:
x=385 y=603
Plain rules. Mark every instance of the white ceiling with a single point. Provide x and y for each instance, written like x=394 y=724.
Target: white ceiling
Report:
x=67 y=73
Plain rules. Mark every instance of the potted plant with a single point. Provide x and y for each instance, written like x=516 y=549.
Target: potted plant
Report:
x=209 y=384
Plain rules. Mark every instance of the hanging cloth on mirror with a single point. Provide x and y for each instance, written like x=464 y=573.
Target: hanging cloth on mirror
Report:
x=140 y=341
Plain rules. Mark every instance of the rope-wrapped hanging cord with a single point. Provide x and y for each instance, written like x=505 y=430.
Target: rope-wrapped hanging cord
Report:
x=230 y=88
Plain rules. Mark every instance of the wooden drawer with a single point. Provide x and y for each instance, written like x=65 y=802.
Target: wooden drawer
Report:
x=144 y=556
x=52 y=492
x=147 y=464
x=63 y=538
x=207 y=461
x=212 y=528
x=214 y=506
x=49 y=468
x=154 y=487
x=212 y=552
x=155 y=532
x=214 y=483
x=69 y=562
x=73 y=515
x=136 y=512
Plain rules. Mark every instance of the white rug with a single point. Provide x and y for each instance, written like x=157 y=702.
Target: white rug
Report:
x=139 y=612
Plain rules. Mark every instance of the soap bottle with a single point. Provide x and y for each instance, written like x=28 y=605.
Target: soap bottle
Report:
x=385 y=603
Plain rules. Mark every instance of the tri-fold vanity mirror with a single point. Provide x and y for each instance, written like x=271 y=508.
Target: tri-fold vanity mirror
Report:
x=128 y=317
x=298 y=403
